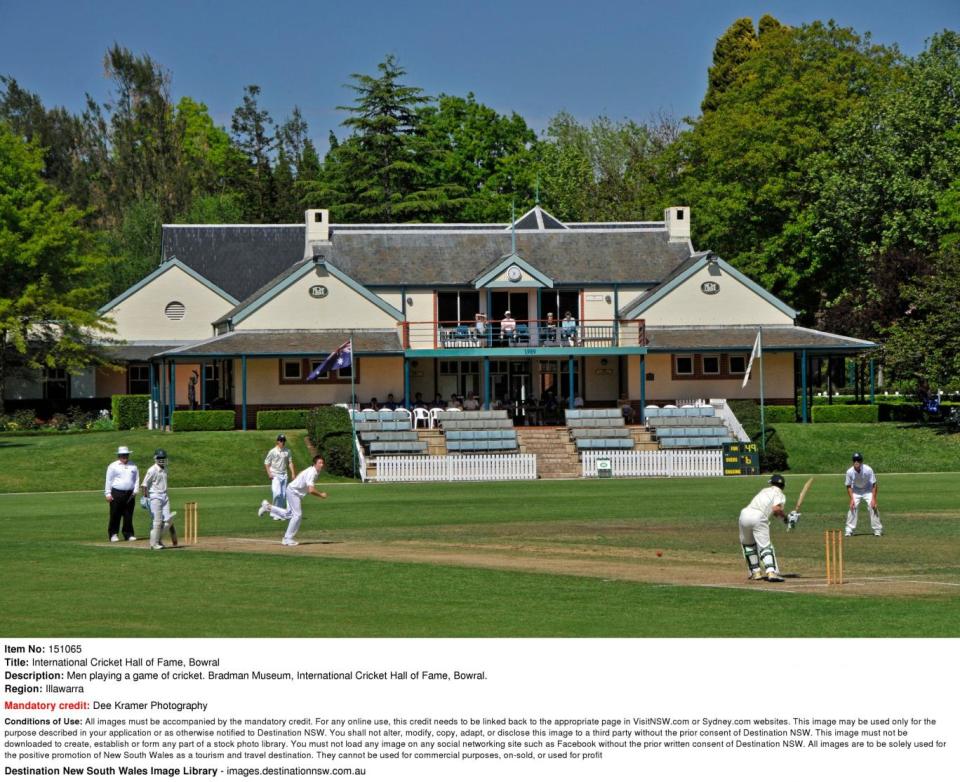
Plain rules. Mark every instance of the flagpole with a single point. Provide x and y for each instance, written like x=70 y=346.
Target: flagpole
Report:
x=353 y=401
x=763 y=427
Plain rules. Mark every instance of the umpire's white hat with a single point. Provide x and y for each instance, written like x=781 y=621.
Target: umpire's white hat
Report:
x=123 y=451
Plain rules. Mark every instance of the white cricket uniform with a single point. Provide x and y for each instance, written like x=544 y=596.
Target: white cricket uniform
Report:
x=297 y=489
x=862 y=484
x=155 y=490
x=755 y=529
x=278 y=460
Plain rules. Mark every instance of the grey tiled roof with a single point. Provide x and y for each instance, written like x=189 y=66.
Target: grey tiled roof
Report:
x=237 y=258
x=291 y=342
x=664 y=339
x=242 y=259
x=137 y=351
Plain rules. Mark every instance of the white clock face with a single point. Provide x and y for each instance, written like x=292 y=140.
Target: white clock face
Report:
x=514 y=274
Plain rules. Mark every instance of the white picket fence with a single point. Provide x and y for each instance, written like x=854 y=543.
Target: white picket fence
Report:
x=687 y=463
x=467 y=467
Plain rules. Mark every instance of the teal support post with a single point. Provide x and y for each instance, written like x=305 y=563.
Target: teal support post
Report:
x=803 y=386
x=643 y=387
x=570 y=382
x=406 y=384
x=243 y=392
x=616 y=319
x=173 y=390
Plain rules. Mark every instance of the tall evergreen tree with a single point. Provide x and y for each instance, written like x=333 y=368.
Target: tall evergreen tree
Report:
x=254 y=138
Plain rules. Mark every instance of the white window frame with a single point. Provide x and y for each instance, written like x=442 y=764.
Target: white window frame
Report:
x=676 y=365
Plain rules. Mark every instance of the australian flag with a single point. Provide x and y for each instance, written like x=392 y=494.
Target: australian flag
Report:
x=341 y=358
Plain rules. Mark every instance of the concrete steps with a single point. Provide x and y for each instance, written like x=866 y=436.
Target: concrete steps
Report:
x=556 y=455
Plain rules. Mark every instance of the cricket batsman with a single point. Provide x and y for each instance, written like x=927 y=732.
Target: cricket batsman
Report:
x=755 y=529
x=278 y=463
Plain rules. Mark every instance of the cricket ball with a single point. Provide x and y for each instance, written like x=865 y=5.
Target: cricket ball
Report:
x=659 y=553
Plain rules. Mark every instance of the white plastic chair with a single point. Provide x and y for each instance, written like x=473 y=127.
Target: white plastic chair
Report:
x=433 y=416
x=421 y=414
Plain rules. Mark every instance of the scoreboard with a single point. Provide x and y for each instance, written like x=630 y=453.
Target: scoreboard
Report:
x=741 y=459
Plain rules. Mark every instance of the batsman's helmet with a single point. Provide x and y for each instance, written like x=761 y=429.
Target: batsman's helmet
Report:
x=777 y=480
x=858 y=457
x=160 y=456
x=281 y=438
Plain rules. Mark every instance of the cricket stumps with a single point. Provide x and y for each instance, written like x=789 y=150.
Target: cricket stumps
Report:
x=833 y=547
x=191 y=523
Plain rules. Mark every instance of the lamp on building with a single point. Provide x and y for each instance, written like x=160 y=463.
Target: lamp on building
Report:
x=409 y=301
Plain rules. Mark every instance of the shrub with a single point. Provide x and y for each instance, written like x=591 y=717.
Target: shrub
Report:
x=331 y=434
x=129 y=411
x=898 y=411
x=103 y=424
x=203 y=420
x=779 y=414
x=23 y=420
x=848 y=414
x=774 y=458
x=282 y=419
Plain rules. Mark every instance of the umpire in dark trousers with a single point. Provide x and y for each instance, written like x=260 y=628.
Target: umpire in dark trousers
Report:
x=120 y=490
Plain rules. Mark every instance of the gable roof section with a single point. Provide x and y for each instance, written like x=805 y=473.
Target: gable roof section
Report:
x=536 y=219
x=683 y=272
x=490 y=275
x=289 y=342
x=163 y=268
x=281 y=282
x=776 y=338
x=237 y=258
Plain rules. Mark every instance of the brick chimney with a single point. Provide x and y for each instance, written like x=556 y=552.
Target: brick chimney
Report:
x=677 y=221
x=318 y=231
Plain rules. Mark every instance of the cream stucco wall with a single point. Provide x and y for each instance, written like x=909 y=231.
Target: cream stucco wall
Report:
x=141 y=315
x=733 y=304
x=601 y=381
x=595 y=305
x=777 y=380
x=295 y=308
x=377 y=376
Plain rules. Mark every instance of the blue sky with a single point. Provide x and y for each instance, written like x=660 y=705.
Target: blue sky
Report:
x=614 y=57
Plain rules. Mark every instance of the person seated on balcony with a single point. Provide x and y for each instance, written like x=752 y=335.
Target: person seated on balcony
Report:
x=374 y=404
x=480 y=326
x=550 y=329
x=627 y=410
x=390 y=404
x=508 y=327
x=455 y=403
x=418 y=402
x=438 y=402
x=568 y=328
x=471 y=403
x=578 y=402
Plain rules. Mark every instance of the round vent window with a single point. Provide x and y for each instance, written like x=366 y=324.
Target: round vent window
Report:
x=175 y=311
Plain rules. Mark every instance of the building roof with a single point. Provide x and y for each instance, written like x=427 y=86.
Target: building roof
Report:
x=138 y=351
x=240 y=259
x=290 y=342
x=672 y=339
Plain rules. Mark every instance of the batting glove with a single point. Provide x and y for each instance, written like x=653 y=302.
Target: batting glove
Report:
x=793 y=518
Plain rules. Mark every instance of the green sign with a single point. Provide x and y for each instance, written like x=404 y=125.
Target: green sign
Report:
x=741 y=459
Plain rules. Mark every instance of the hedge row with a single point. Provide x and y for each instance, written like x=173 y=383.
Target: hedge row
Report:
x=129 y=411
x=330 y=432
x=282 y=419
x=203 y=420
x=847 y=414
x=779 y=414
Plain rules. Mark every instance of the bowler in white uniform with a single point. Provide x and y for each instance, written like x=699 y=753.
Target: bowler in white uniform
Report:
x=297 y=489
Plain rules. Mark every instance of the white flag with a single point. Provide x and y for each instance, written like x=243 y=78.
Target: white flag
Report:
x=756 y=353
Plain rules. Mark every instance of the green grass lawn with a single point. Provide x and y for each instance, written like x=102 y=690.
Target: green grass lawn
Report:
x=79 y=461
x=891 y=447
x=57 y=584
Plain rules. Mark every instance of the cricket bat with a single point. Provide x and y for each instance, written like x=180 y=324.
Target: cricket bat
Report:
x=803 y=493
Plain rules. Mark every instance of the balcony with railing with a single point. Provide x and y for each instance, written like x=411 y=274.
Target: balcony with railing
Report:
x=493 y=335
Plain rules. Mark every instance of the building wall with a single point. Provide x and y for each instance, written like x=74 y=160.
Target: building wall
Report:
x=111 y=381
x=733 y=304
x=777 y=380
x=295 y=308
x=377 y=376
x=596 y=306
x=601 y=381
x=141 y=315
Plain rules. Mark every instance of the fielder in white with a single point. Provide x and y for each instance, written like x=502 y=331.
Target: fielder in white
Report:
x=277 y=464
x=155 y=493
x=862 y=487
x=755 y=530
x=297 y=489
